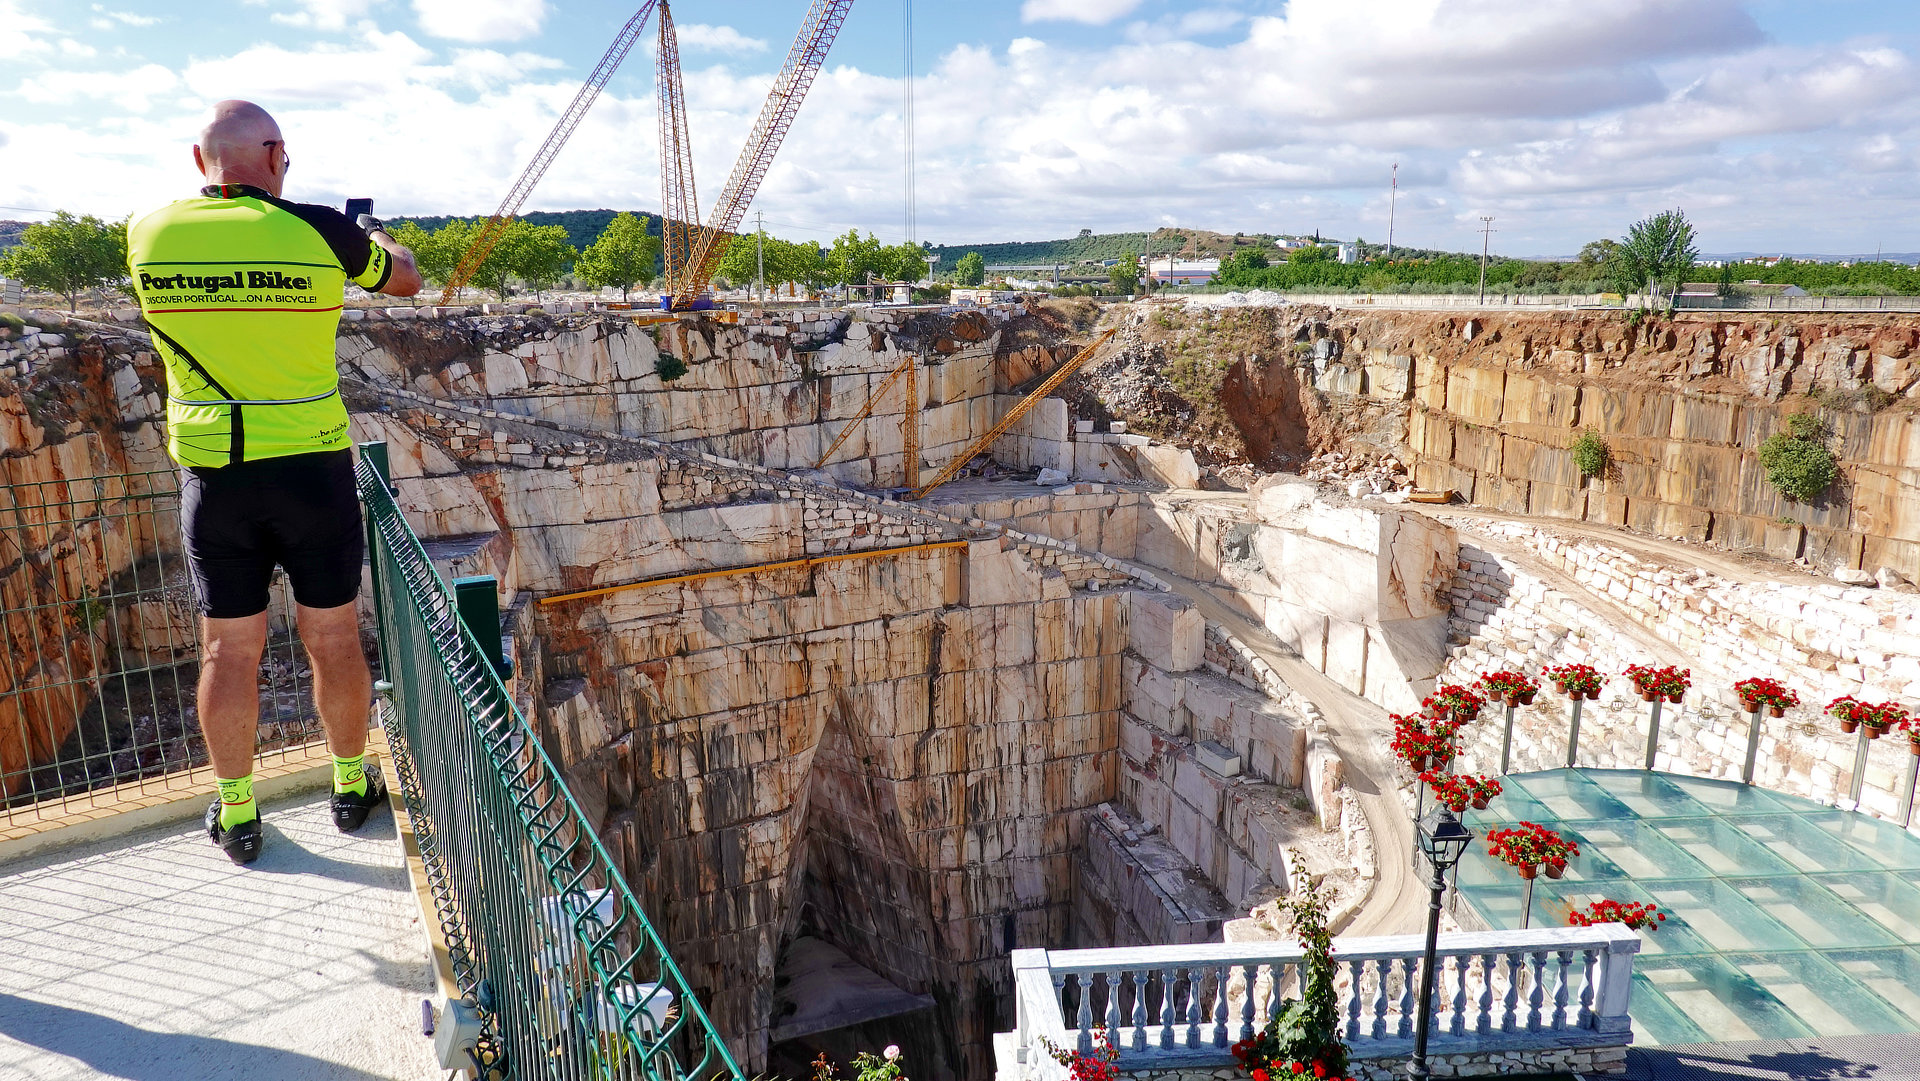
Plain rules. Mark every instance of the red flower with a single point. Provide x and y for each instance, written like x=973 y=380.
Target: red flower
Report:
x=1297 y=1068
x=1319 y=1070
x=1259 y=1075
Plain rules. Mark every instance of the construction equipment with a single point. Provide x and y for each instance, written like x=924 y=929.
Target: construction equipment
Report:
x=809 y=51
x=1013 y=416
x=867 y=409
x=496 y=226
x=679 y=202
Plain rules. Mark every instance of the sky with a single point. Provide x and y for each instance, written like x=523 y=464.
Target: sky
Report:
x=1777 y=125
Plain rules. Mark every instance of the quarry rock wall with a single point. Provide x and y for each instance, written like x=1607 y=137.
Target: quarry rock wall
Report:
x=776 y=389
x=1487 y=404
x=1822 y=640
x=80 y=407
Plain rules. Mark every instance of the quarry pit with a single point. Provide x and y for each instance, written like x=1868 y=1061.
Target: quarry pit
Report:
x=851 y=750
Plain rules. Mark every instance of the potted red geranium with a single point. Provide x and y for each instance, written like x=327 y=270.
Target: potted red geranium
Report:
x=1849 y=711
x=1530 y=846
x=1419 y=740
x=1883 y=717
x=1576 y=680
x=1461 y=791
x=1454 y=700
x=1512 y=688
x=1663 y=682
x=1771 y=693
x=1913 y=736
x=1637 y=916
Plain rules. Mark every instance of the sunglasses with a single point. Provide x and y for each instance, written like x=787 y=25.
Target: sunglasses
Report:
x=285 y=162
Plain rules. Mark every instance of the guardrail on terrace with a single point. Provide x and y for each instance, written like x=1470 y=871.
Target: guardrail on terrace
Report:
x=566 y=976
x=100 y=650
x=1183 y=1007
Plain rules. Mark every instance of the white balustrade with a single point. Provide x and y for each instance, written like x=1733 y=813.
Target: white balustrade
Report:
x=1176 y=1006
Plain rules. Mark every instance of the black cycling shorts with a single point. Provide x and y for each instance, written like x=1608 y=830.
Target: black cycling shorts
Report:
x=301 y=512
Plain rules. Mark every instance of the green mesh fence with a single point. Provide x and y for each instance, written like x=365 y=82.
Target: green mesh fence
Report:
x=545 y=937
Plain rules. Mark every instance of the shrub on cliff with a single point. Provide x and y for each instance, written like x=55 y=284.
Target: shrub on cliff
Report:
x=1590 y=453
x=669 y=367
x=1797 y=460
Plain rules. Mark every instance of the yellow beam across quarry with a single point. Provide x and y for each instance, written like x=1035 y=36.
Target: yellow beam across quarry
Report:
x=753 y=568
x=866 y=410
x=1013 y=416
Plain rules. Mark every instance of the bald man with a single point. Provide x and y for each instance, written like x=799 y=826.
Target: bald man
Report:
x=243 y=290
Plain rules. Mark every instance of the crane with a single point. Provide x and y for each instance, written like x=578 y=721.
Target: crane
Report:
x=686 y=286
x=496 y=226
x=679 y=202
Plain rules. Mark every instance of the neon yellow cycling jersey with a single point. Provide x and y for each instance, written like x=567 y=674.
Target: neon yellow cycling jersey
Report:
x=243 y=293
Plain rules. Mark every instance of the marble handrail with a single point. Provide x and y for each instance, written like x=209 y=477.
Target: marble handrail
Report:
x=1536 y=989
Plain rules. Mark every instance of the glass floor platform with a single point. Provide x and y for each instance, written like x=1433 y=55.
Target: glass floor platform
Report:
x=1786 y=919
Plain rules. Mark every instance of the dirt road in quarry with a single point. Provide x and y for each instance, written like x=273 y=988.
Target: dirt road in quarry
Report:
x=1360 y=732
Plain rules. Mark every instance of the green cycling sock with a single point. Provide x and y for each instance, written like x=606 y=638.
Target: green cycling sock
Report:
x=350 y=775
x=236 y=801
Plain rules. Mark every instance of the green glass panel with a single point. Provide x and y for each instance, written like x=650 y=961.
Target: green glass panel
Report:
x=1815 y=916
x=1732 y=797
x=1820 y=995
x=1657 y=1020
x=1803 y=844
x=1886 y=844
x=1881 y=896
x=1721 y=916
x=1724 y=1002
x=1722 y=848
x=1639 y=851
x=1648 y=795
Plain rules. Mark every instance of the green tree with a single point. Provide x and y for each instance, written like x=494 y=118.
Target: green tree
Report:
x=623 y=256
x=69 y=255
x=853 y=259
x=1124 y=275
x=1240 y=262
x=431 y=251
x=971 y=269
x=1656 y=252
x=536 y=254
x=1598 y=252
x=904 y=263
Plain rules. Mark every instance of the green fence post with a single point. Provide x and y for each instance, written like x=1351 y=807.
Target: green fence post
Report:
x=478 y=599
x=375 y=455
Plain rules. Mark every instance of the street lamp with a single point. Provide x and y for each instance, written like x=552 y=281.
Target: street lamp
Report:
x=1443 y=840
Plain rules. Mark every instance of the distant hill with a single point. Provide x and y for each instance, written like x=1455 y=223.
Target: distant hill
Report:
x=1099 y=247
x=582 y=226
x=10 y=232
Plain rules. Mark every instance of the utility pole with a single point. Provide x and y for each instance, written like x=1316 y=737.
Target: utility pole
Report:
x=1393 y=202
x=906 y=83
x=759 y=254
x=1486 y=231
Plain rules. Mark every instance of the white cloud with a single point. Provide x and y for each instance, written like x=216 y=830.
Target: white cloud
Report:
x=330 y=16
x=337 y=74
x=133 y=89
x=481 y=20
x=107 y=20
x=1093 y=12
x=722 y=39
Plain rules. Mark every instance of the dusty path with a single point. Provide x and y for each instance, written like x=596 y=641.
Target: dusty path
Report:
x=1360 y=732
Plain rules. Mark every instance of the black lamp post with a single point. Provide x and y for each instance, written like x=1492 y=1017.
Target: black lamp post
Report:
x=1443 y=840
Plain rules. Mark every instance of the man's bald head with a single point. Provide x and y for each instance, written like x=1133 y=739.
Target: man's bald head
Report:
x=241 y=144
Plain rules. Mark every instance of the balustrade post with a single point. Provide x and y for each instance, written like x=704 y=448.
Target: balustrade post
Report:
x=1483 y=1023
x=1220 y=1004
x=1252 y=975
x=1616 y=986
x=1461 y=965
x=1139 y=980
x=1166 y=1008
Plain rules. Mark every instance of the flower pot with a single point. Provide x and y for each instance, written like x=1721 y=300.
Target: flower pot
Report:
x=1460 y=718
x=1675 y=698
x=1593 y=696
x=1480 y=802
x=1419 y=763
x=1555 y=870
x=1875 y=731
x=1512 y=700
x=1914 y=746
x=1849 y=727
x=1648 y=696
x=1527 y=870
x=1527 y=698
x=1776 y=711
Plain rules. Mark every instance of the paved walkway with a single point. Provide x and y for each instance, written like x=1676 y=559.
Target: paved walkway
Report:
x=150 y=957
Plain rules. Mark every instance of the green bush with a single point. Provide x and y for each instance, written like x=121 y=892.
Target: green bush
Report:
x=669 y=367
x=1797 y=460
x=1590 y=453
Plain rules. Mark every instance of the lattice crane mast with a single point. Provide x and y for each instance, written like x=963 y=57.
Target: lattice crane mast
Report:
x=496 y=226
x=679 y=202
x=689 y=274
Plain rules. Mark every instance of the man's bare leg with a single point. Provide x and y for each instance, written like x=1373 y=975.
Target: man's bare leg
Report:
x=230 y=708
x=342 y=686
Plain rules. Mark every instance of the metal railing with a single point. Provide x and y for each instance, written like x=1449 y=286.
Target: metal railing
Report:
x=566 y=975
x=101 y=649
x=1182 y=1007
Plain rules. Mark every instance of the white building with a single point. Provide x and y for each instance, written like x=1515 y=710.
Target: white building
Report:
x=1169 y=271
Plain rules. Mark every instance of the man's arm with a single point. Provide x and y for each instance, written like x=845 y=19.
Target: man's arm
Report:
x=404 y=280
